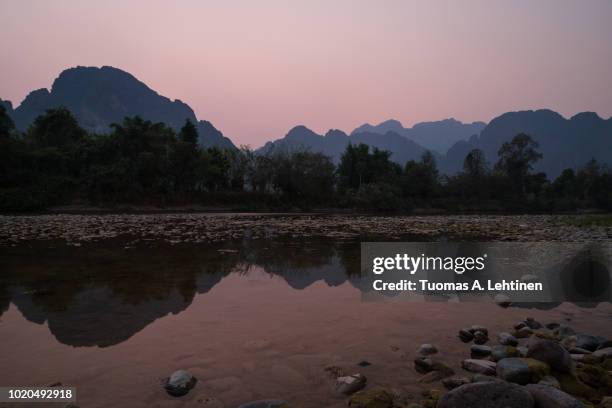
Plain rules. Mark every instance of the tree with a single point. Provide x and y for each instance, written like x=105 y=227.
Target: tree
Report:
x=57 y=128
x=421 y=179
x=7 y=126
x=189 y=133
x=358 y=166
x=516 y=160
x=475 y=164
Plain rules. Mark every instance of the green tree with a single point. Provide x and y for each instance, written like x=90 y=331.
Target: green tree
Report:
x=475 y=164
x=56 y=128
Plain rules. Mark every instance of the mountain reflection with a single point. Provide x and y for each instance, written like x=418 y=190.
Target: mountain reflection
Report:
x=103 y=294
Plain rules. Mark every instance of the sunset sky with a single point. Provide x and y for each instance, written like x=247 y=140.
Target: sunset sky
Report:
x=257 y=68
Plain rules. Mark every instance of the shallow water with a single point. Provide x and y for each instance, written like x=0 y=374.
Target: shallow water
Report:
x=250 y=319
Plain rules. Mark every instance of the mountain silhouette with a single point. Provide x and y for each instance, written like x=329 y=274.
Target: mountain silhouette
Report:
x=436 y=136
x=334 y=142
x=564 y=143
x=99 y=97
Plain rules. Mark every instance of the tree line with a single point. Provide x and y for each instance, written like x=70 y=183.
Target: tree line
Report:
x=56 y=162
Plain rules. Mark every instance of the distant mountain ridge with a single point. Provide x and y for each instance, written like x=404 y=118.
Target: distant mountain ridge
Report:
x=564 y=143
x=99 y=97
x=334 y=142
x=436 y=136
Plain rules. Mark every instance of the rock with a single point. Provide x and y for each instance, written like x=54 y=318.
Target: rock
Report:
x=552 y=326
x=479 y=366
x=501 y=352
x=179 y=383
x=532 y=323
x=487 y=395
x=545 y=334
x=423 y=365
x=350 y=384
x=480 y=337
x=587 y=342
x=522 y=351
x=442 y=369
x=371 y=399
x=466 y=335
x=552 y=354
x=483 y=378
x=475 y=328
x=364 y=363
x=502 y=300
x=578 y=350
x=430 y=398
x=523 y=332
x=430 y=377
x=334 y=371
x=564 y=331
x=506 y=339
x=595 y=377
x=519 y=325
x=606 y=402
x=550 y=397
x=604 y=353
x=586 y=358
x=571 y=384
x=522 y=370
x=478 y=351
x=268 y=403
x=550 y=381
x=605 y=344
x=454 y=382
x=427 y=349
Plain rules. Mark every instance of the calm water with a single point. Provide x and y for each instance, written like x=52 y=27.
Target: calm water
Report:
x=250 y=319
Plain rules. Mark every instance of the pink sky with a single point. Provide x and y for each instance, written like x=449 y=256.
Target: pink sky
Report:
x=257 y=68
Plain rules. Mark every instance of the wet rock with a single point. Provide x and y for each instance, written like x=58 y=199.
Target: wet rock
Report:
x=487 y=395
x=523 y=332
x=506 y=339
x=427 y=349
x=552 y=354
x=501 y=352
x=478 y=351
x=478 y=328
x=454 y=382
x=532 y=323
x=268 y=403
x=479 y=366
x=371 y=399
x=522 y=370
x=179 y=383
x=480 y=337
x=350 y=384
x=423 y=365
x=550 y=397
x=502 y=300
x=466 y=335
x=604 y=353
x=587 y=342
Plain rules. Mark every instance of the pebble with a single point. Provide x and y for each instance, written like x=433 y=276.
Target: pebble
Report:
x=478 y=351
x=350 y=384
x=427 y=349
x=179 y=383
x=506 y=339
x=466 y=335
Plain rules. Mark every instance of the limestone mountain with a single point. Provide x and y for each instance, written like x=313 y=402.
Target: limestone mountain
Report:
x=99 y=97
x=437 y=136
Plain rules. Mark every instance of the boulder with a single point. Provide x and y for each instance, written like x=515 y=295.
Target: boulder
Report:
x=350 y=384
x=465 y=335
x=487 y=395
x=454 y=382
x=550 y=397
x=587 y=342
x=550 y=381
x=371 y=399
x=522 y=370
x=604 y=353
x=479 y=366
x=501 y=352
x=427 y=349
x=179 y=383
x=478 y=351
x=552 y=354
x=506 y=339
x=523 y=332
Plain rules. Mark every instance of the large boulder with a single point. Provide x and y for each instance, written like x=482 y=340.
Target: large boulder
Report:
x=551 y=397
x=588 y=342
x=604 y=353
x=551 y=353
x=487 y=395
x=522 y=370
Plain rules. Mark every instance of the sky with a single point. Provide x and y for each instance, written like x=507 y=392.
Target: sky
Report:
x=257 y=68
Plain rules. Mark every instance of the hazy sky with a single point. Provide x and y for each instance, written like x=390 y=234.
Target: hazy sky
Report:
x=257 y=68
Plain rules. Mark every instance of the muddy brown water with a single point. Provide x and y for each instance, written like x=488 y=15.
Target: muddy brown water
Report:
x=250 y=319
